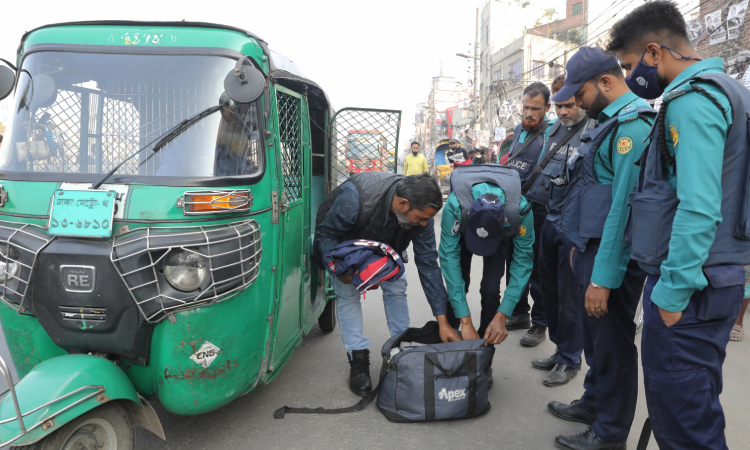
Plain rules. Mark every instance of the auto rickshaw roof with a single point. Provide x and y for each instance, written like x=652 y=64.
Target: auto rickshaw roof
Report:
x=281 y=67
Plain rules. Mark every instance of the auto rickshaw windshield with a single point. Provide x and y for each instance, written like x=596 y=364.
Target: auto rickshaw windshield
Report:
x=77 y=115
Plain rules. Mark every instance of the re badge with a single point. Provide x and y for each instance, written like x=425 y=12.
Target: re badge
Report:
x=624 y=145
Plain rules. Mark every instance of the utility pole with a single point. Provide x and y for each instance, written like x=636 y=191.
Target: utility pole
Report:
x=477 y=100
x=432 y=113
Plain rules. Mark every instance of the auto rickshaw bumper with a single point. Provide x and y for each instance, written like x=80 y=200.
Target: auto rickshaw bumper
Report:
x=60 y=389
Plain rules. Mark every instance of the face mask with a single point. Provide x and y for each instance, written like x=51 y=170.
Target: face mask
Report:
x=644 y=80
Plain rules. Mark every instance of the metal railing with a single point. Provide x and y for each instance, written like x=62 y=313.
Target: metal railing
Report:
x=27 y=241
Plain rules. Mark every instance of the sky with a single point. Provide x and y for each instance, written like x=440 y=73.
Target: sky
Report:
x=379 y=54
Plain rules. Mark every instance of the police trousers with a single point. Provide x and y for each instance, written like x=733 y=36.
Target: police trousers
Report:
x=611 y=384
x=534 y=287
x=682 y=363
x=489 y=287
x=561 y=296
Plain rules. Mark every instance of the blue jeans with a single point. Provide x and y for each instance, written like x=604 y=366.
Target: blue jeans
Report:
x=349 y=310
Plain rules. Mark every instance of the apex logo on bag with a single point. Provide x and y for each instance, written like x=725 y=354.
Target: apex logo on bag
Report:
x=452 y=396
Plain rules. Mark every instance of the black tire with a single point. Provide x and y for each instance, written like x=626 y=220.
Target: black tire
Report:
x=109 y=425
x=327 y=320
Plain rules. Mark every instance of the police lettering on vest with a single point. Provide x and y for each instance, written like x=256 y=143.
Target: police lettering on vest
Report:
x=525 y=161
x=464 y=177
x=540 y=189
x=654 y=203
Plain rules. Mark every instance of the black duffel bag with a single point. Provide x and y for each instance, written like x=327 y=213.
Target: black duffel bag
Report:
x=435 y=381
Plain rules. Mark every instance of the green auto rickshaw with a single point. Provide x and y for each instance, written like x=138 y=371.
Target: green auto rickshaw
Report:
x=158 y=189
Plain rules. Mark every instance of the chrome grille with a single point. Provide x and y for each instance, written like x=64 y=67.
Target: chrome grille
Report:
x=233 y=252
x=27 y=241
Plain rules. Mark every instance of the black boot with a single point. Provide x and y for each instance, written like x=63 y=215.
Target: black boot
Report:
x=560 y=374
x=518 y=322
x=573 y=412
x=534 y=336
x=546 y=363
x=588 y=440
x=359 y=373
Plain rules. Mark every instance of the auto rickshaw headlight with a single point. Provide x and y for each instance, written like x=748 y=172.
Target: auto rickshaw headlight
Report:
x=185 y=271
x=9 y=265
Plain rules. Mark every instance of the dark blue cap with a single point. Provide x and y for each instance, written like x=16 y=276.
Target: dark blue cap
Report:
x=587 y=63
x=484 y=227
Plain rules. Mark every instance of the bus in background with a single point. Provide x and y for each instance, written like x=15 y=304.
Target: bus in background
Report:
x=365 y=152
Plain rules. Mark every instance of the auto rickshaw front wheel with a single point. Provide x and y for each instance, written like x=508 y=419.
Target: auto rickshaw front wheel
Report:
x=106 y=427
x=327 y=320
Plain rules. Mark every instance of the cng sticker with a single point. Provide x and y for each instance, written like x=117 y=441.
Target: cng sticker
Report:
x=206 y=354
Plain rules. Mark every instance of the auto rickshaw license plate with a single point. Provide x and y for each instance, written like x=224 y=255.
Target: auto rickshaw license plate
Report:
x=82 y=213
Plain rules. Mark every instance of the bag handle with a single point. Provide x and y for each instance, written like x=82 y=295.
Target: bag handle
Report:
x=430 y=363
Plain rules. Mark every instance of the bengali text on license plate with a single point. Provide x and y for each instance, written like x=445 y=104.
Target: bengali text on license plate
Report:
x=82 y=213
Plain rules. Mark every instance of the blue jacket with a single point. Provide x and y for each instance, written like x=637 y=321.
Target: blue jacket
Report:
x=370 y=262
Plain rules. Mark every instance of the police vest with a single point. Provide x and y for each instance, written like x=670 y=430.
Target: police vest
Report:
x=525 y=162
x=463 y=178
x=579 y=210
x=539 y=190
x=654 y=203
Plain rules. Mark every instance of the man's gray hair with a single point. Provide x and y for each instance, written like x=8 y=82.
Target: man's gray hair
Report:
x=422 y=191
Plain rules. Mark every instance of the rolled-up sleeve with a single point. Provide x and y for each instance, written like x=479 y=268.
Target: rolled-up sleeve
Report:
x=426 y=260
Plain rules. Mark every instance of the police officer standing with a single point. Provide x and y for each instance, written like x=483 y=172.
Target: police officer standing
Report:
x=528 y=140
x=689 y=228
x=560 y=292
x=590 y=210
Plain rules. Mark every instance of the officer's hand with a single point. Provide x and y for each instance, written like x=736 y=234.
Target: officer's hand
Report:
x=596 y=301
x=346 y=278
x=496 y=332
x=669 y=318
x=468 y=332
x=447 y=333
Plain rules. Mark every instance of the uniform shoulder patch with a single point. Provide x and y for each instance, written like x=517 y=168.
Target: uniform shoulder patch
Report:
x=522 y=231
x=674 y=134
x=456 y=227
x=624 y=145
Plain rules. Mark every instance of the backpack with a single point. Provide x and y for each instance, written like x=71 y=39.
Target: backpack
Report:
x=426 y=383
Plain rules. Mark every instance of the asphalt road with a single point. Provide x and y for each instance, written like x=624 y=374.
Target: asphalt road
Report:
x=317 y=375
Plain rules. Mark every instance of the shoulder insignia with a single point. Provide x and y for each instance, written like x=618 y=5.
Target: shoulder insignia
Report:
x=522 y=231
x=456 y=227
x=627 y=108
x=624 y=145
x=674 y=134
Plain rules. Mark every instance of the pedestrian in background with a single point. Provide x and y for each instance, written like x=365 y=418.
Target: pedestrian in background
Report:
x=688 y=224
x=590 y=209
x=415 y=163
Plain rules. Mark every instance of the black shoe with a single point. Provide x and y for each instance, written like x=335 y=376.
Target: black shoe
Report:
x=572 y=413
x=546 y=363
x=518 y=322
x=488 y=374
x=560 y=374
x=535 y=336
x=359 y=373
x=588 y=440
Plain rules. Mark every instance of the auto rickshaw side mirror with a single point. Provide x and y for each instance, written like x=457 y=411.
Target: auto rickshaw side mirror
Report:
x=245 y=83
x=7 y=81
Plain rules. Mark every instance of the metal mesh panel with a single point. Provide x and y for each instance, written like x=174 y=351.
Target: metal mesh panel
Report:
x=22 y=242
x=363 y=141
x=62 y=132
x=232 y=251
x=290 y=130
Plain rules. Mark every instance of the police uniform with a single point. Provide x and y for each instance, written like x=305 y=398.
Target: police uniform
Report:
x=524 y=160
x=689 y=230
x=455 y=259
x=560 y=291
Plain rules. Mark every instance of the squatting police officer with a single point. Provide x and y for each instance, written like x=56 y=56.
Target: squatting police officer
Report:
x=689 y=223
x=589 y=209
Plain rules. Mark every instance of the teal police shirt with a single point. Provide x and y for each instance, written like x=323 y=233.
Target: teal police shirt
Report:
x=696 y=134
x=621 y=172
x=450 y=252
